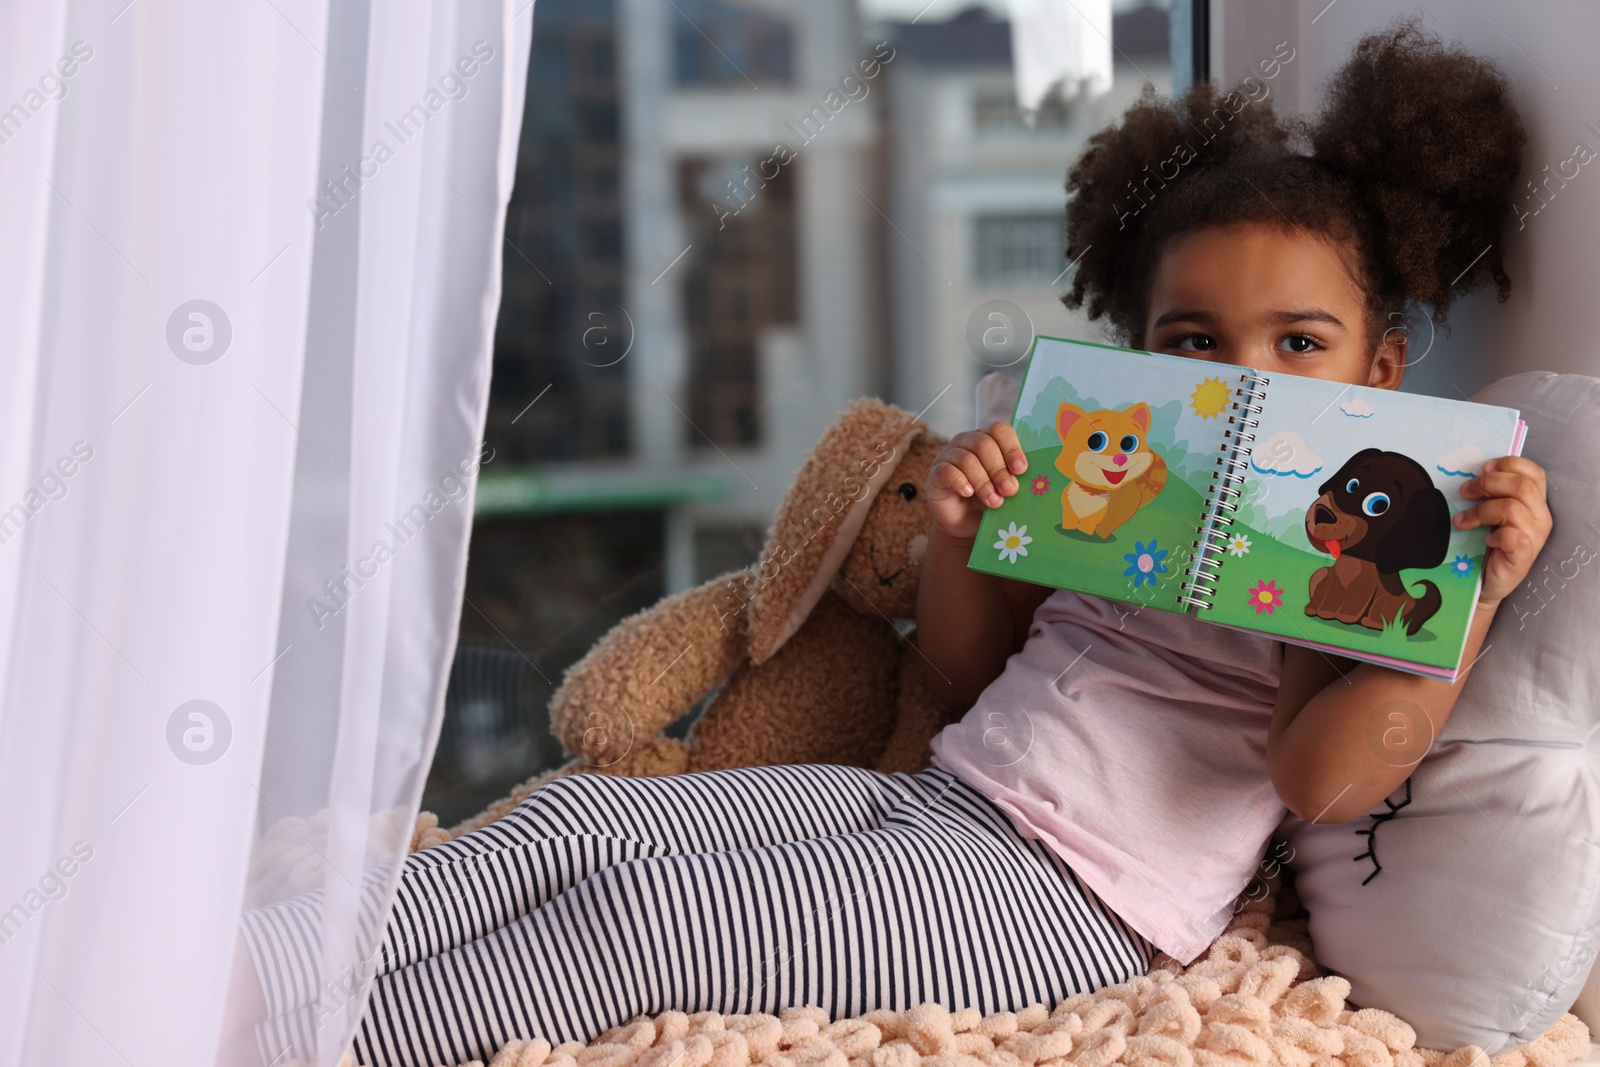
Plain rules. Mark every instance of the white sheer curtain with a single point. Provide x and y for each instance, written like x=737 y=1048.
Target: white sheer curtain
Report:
x=249 y=269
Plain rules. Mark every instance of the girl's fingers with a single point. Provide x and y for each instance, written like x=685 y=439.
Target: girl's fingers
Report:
x=1504 y=483
x=1518 y=465
x=1513 y=477
x=980 y=459
x=981 y=465
x=977 y=471
x=1510 y=540
x=995 y=469
x=962 y=473
x=1010 y=447
x=947 y=476
x=949 y=494
x=1513 y=491
x=1497 y=511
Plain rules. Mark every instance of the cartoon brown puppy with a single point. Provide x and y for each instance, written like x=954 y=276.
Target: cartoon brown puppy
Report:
x=1378 y=515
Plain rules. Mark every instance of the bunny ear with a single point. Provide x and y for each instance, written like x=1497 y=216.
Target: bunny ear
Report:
x=817 y=523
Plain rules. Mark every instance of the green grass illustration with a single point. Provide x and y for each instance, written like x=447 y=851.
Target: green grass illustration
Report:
x=1091 y=565
x=1290 y=569
x=1085 y=561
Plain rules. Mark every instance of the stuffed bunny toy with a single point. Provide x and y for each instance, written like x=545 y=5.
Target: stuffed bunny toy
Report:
x=800 y=649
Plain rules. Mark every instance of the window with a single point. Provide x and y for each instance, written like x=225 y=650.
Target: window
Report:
x=719 y=43
x=700 y=271
x=1013 y=248
x=742 y=282
x=564 y=261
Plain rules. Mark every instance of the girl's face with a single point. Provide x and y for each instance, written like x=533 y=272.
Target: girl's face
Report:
x=1268 y=298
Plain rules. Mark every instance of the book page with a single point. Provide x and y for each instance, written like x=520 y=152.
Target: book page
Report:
x=1343 y=534
x=1121 y=447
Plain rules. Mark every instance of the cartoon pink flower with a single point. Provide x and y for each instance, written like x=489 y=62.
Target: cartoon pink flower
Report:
x=1040 y=484
x=1266 y=596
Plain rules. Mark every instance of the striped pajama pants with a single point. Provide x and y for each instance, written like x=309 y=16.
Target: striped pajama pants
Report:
x=745 y=890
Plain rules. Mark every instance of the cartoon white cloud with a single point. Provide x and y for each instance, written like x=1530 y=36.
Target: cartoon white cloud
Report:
x=1357 y=408
x=1463 y=462
x=1285 y=453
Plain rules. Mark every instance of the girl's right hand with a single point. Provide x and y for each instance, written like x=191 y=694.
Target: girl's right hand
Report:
x=977 y=468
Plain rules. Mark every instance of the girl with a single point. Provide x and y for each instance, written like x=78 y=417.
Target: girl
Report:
x=1142 y=761
x=1160 y=752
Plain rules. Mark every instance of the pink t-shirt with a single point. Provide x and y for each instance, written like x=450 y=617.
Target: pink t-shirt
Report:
x=1133 y=743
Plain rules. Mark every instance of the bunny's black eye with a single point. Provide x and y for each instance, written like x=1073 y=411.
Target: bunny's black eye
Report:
x=908 y=491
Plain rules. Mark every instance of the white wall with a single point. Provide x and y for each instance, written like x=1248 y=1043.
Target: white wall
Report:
x=1552 y=319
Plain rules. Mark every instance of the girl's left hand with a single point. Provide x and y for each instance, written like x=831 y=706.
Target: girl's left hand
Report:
x=1513 y=492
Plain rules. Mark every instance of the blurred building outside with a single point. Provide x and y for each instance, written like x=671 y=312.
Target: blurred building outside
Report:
x=978 y=197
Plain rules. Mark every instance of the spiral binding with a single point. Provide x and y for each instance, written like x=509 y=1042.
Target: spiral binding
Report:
x=1201 y=581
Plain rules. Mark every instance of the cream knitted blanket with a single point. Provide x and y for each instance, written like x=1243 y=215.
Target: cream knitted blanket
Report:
x=1255 y=999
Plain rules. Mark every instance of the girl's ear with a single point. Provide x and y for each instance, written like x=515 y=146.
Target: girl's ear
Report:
x=1388 y=365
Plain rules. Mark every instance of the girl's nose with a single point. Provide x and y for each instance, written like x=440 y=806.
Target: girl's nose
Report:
x=1119 y=459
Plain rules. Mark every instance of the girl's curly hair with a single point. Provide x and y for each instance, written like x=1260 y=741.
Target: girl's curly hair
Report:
x=1411 y=159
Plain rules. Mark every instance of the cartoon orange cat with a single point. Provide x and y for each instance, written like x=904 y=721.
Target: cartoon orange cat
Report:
x=1112 y=468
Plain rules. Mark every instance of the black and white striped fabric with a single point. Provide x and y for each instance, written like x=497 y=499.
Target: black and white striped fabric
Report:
x=744 y=890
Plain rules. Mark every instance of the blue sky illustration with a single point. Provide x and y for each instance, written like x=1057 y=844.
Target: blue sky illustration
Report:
x=1107 y=379
x=1311 y=426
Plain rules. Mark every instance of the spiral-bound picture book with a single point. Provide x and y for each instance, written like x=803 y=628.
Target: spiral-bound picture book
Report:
x=1309 y=510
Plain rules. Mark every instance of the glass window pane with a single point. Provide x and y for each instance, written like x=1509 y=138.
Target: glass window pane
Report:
x=730 y=219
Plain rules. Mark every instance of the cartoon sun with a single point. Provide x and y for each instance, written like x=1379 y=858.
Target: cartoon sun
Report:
x=1210 y=398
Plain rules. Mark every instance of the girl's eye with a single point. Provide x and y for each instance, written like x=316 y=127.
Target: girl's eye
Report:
x=1302 y=343
x=1350 y=486
x=1129 y=443
x=1201 y=343
x=1375 y=504
x=1097 y=441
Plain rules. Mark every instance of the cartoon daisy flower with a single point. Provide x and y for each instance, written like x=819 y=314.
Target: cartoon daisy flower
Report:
x=1238 y=544
x=1144 y=563
x=1040 y=484
x=1266 y=596
x=1461 y=566
x=1012 y=542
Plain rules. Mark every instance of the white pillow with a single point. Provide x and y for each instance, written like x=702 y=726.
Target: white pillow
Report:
x=1473 y=910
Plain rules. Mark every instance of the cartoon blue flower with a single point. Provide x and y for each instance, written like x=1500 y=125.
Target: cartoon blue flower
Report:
x=1461 y=566
x=1144 y=563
